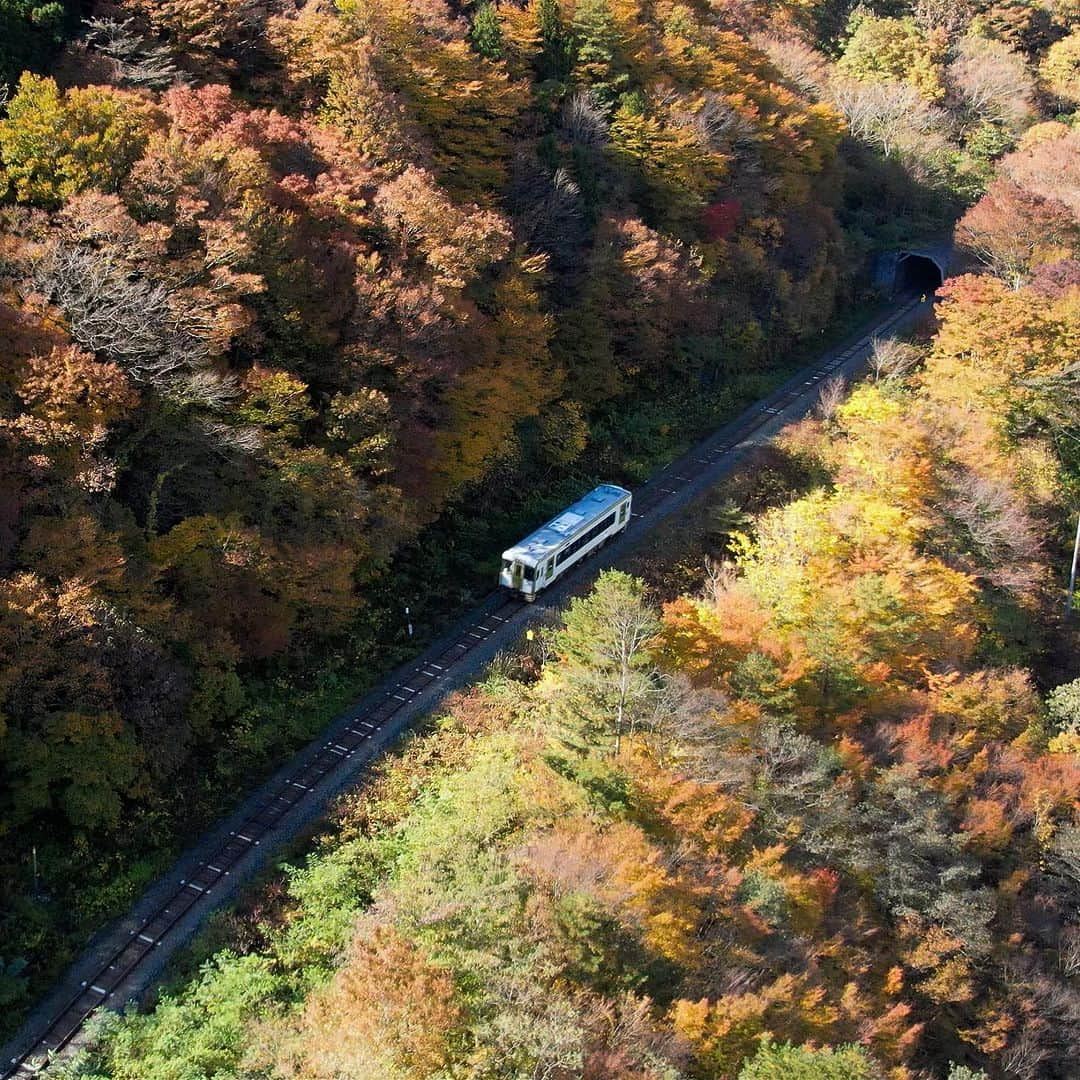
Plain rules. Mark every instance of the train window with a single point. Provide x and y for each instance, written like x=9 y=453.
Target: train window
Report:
x=586 y=538
x=550 y=566
x=507 y=564
x=529 y=572
x=622 y=511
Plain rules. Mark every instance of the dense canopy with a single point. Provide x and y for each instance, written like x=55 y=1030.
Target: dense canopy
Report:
x=289 y=288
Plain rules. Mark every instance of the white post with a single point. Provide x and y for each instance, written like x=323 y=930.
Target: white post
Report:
x=1072 y=572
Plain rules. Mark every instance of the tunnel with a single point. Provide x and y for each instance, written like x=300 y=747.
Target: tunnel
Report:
x=917 y=273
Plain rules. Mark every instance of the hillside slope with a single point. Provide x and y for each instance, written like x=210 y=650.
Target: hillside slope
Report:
x=288 y=289
x=816 y=821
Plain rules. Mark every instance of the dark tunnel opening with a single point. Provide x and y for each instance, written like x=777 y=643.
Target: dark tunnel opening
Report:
x=917 y=273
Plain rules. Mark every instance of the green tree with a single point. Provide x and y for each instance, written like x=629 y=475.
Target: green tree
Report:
x=13 y=981
x=605 y=685
x=896 y=49
x=787 y=1062
x=597 y=63
x=962 y=1072
x=361 y=426
x=199 y=1033
x=486 y=32
x=276 y=403
x=1063 y=707
x=29 y=31
x=55 y=144
x=553 y=59
x=79 y=765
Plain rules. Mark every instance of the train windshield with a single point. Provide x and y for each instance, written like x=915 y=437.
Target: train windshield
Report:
x=507 y=564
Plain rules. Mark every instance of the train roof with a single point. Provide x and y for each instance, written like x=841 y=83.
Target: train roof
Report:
x=555 y=533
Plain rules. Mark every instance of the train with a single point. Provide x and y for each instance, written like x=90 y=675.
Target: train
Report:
x=539 y=560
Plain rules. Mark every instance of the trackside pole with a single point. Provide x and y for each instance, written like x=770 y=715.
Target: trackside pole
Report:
x=1072 y=572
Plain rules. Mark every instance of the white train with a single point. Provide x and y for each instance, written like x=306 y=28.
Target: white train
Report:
x=533 y=564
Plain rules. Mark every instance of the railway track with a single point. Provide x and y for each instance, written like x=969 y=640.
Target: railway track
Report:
x=326 y=766
x=683 y=473
x=284 y=795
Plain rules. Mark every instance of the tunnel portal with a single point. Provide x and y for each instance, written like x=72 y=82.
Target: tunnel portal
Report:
x=916 y=272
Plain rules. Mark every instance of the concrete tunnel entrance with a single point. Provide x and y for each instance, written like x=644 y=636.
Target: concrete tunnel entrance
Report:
x=917 y=273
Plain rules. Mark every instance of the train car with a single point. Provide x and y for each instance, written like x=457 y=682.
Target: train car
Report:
x=542 y=557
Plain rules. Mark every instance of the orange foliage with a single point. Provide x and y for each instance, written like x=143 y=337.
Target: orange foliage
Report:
x=987 y=825
x=914 y=743
x=707 y=641
x=724 y=1031
x=627 y=872
x=982 y=705
x=700 y=814
x=388 y=1008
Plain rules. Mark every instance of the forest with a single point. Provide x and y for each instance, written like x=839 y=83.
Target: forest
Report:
x=815 y=820
x=286 y=288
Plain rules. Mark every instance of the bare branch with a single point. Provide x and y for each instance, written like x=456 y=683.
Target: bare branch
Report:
x=891 y=358
x=142 y=325
x=136 y=61
x=832 y=395
x=584 y=119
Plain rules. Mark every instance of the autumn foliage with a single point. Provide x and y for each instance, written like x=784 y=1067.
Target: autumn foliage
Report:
x=281 y=286
x=815 y=821
x=288 y=290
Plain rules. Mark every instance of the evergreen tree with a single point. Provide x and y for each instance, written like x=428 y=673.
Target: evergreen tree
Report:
x=486 y=33
x=596 y=51
x=553 y=44
x=773 y=1062
x=605 y=684
x=29 y=32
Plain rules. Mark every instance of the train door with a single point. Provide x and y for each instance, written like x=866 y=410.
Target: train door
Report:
x=517 y=574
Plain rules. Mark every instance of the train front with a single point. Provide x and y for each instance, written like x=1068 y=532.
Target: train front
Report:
x=517 y=574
